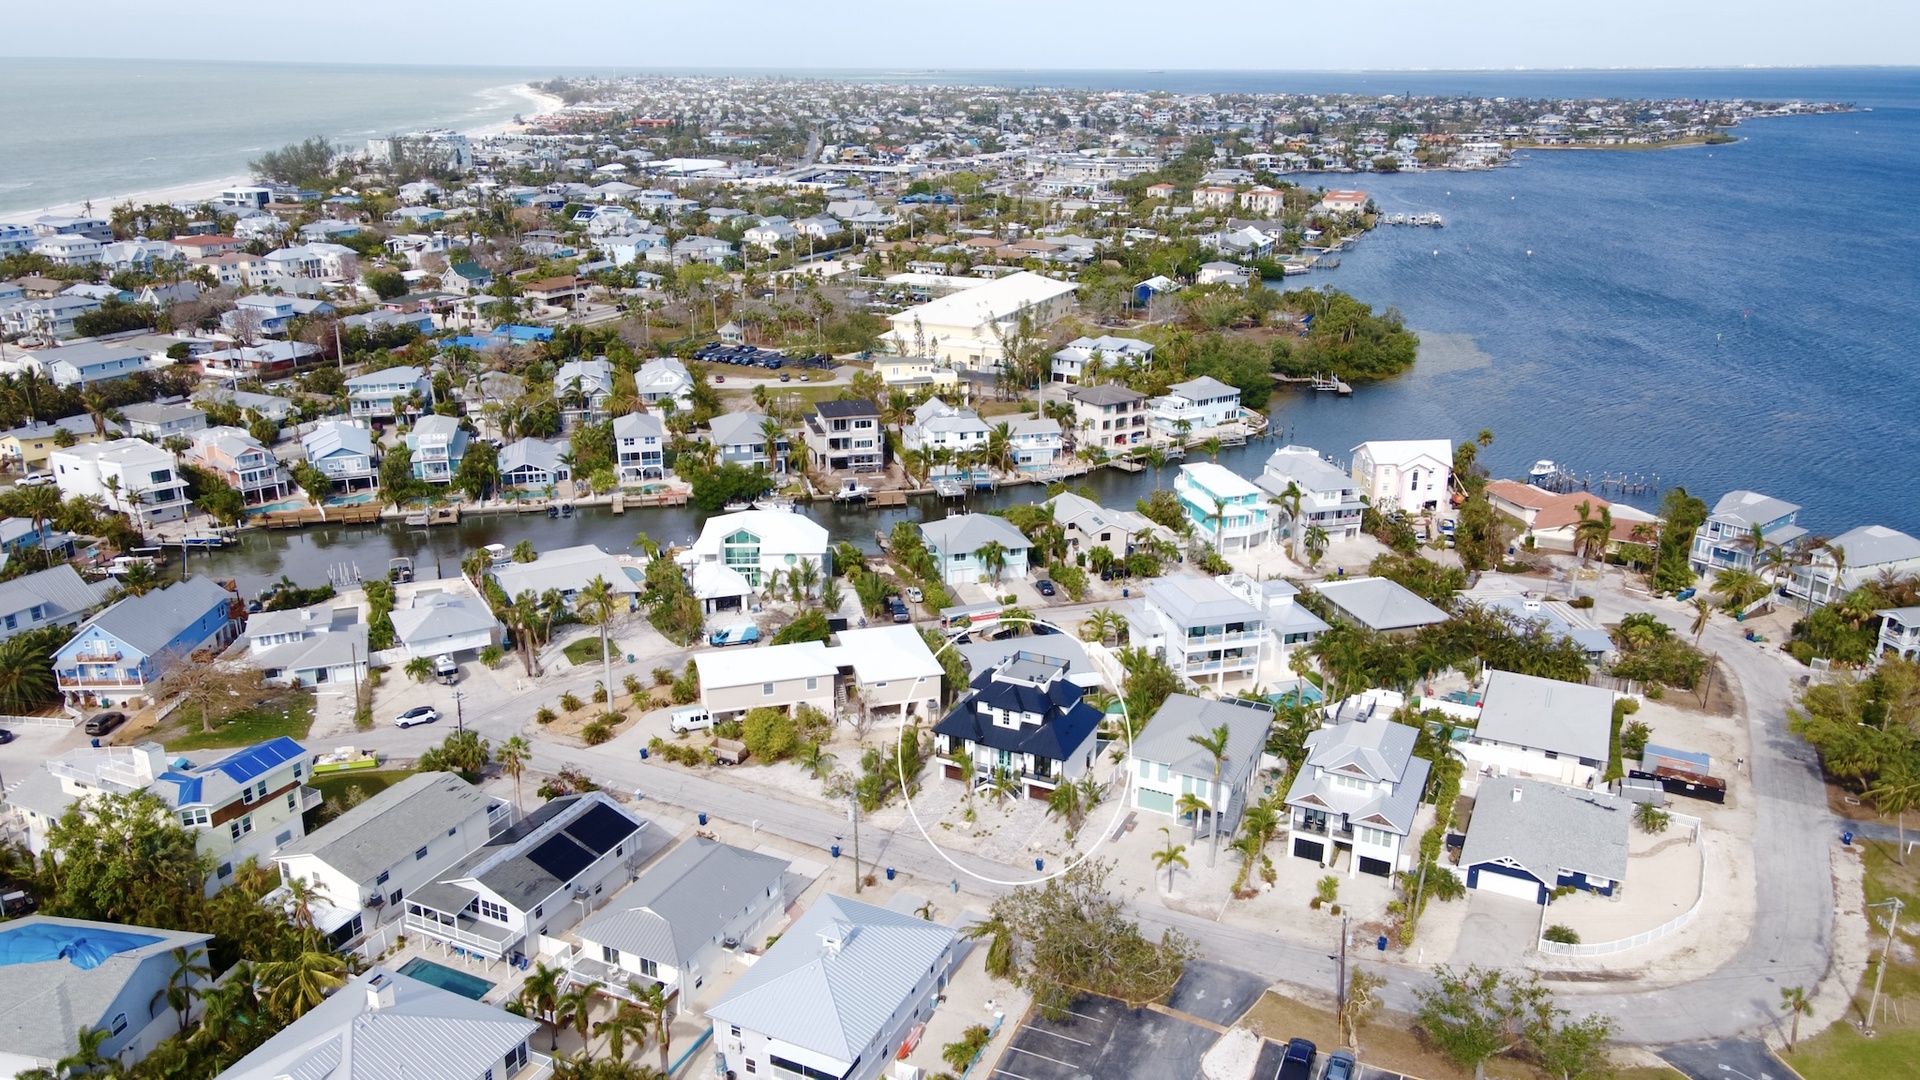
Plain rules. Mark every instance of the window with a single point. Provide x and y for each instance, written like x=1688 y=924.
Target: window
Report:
x=382 y=878
x=119 y=1023
x=1163 y=774
x=540 y=911
x=489 y=910
x=813 y=683
x=293 y=800
x=766 y=689
x=609 y=954
x=652 y=971
x=241 y=827
x=751 y=1068
x=192 y=816
x=421 y=854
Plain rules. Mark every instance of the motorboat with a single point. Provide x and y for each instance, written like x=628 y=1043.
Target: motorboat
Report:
x=852 y=491
x=1542 y=473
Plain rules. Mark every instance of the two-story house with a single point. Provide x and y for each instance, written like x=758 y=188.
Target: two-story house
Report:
x=362 y=864
x=388 y=393
x=1210 y=633
x=1899 y=632
x=975 y=548
x=56 y=596
x=1852 y=559
x=639 y=447
x=1727 y=539
x=888 y=670
x=1358 y=792
x=1289 y=623
x=679 y=921
x=92 y=362
x=664 y=379
x=131 y=476
x=1166 y=762
x=239 y=459
x=567 y=571
x=912 y=373
x=756 y=543
x=438 y=444
x=867 y=976
x=741 y=439
x=320 y=645
x=1021 y=720
x=28 y=446
x=735 y=681
x=1089 y=525
x=535 y=880
x=582 y=388
x=1539 y=727
x=1109 y=416
x=1071 y=362
x=344 y=451
x=845 y=436
x=241 y=806
x=1328 y=497
x=1224 y=508
x=1197 y=405
x=117 y=656
x=1414 y=475
x=938 y=426
x=159 y=421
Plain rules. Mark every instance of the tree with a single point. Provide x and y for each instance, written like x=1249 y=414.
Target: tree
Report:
x=1794 y=999
x=769 y=733
x=1592 y=533
x=597 y=604
x=122 y=857
x=539 y=998
x=657 y=1015
x=315 y=484
x=1071 y=937
x=308 y=163
x=26 y=670
x=993 y=559
x=1702 y=614
x=1362 y=1001
x=479 y=470
x=1571 y=1050
x=1215 y=744
x=1170 y=856
x=185 y=982
x=574 y=1008
x=86 y=1056
x=513 y=756
x=524 y=552
x=1476 y=1014
x=419 y=669
x=297 y=985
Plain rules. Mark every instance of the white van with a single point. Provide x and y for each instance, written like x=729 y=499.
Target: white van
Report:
x=690 y=718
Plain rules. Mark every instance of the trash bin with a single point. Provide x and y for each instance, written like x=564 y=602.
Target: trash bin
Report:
x=1846 y=838
x=889 y=873
x=1381 y=943
x=1039 y=864
x=836 y=851
x=703 y=817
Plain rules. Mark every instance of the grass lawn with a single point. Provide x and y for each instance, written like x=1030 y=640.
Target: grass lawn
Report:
x=1841 y=1052
x=587 y=651
x=334 y=789
x=288 y=713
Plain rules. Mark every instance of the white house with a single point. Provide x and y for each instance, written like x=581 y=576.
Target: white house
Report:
x=569 y=570
x=639 y=448
x=756 y=543
x=1197 y=405
x=1899 y=632
x=1545 y=728
x=1037 y=442
x=966 y=329
x=1358 y=791
x=1379 y=604
x=1210 y=633
x=736 y=681
x=665 y=378
x=535 y=464
x=1112 y=352
x=1329 y=498
x=156 y=420
x=1869 y=551
x=127 y=475
x=385 y=393
x=1528 y=838
x=836 y=996
x=319 y=645
x=1225 y=509
x=445 y=623
x=939 y=426
x=582 y=387
x=1166 y=763
x=1414 y=475
x=344 y=451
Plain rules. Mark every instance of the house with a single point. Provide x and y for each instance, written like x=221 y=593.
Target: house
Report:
x=664 y=379
x=967 y=329
x=20 y=535
x=1223 y=273
x=533 y=464
x=466 y=278
x=238 y=807
x=1111 y=416
x=735 y=681
x=937 y=426
x=1528 y=838
x=886 y=668
x=1222 y=506
x=1277 y=599
x=680 y=921
x=49 y=319
x=317 y=261
x=1265 y=201
x=569 y=570
x=1358 y=791
x=845 y=436
x=319 y=645
x=1021 y=721
x=639 y=446
x=1166 y=763
x=200 y=247
x=239 y=459
x=362 y=864
x=771 y=234
x=65 y=976
x=266 y=406
x=1379 y=604
x=582 y=388
x=1554 y=619
x=385 y=1024
x=836 y=996
x=1037 y=442
x=1342 y=202
x=563 y=291
x=912 y=373
x=1552 y=520
x=56 y=596
x=1899 y=632
x=1210 y=633
x=1201 y=404
x=254 y=361
x=1329 y=498
x=535 y=880
x=128 y=475
x=445 y=624
x=387 y=393
x=1089 y=525
x=759 y=543
x=438 y=444
x=1414 y=475
x=740 y=439
x=116 y=655
x=90 y=363
x=1869 y=551
x=375 y=321
x=27 y=447
x=68 y=250
x=960 y=546
x=1214 y=197
x=343 y=449
x=1542 y=727
x=1727 y=540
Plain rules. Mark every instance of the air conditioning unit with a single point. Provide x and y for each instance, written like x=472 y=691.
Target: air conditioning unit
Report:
x=374 y=901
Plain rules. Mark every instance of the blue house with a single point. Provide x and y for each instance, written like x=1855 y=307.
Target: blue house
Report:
x=956 y=543
x=1725 y=542
x=438 y=443
x=1023 y=720
x=1528 y=838
x=386 y=392
x=120 y=653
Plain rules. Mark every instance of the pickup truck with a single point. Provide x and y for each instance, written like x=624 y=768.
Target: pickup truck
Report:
x=899 y=609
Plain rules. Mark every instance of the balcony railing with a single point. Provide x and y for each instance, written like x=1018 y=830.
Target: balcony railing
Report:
x=494 y=945
x=82 y=682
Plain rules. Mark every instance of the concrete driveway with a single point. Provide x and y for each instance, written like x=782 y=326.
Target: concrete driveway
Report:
x=1498 y=931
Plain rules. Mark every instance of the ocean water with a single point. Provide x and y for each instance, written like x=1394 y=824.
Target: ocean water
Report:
x=92 y=129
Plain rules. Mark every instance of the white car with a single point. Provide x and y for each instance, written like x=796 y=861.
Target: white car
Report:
x=691 y=718
x=419 y=714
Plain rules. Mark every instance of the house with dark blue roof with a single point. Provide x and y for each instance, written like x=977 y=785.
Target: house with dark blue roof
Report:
x=117 y=656
x=1022 y=719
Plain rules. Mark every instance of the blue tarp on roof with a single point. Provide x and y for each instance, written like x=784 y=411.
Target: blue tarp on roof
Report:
x=466 y=341
x=83 y=946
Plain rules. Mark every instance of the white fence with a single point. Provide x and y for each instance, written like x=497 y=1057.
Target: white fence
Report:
x=38 y=721
x=1645 y=937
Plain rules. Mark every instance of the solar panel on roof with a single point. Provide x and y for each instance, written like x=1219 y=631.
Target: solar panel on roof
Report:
x=562 y=856
x=600 y=828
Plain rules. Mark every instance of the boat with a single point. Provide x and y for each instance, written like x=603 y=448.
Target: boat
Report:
x=553 y=511
x=206 y=540
x=566 y=510
x=499 y=554
x=400 y=570
x=735 y=506
x=852 y=491
x=1542 y=473
x=121 y=565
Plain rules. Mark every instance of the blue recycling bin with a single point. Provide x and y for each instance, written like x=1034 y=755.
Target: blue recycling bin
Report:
x=1846 y=838
x=889 y=873
x=1381 y=943
x=1039 y=864
x=645 y=753
x=703 y=817
x=836 y=851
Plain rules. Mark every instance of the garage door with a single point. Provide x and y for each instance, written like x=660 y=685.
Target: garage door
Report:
x=1376 y=867
x=1308 y=849
x=1500 y=884
x=1158 y=801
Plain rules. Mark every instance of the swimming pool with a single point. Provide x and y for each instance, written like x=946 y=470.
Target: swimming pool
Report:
x=351 y=500
x=285 y=504
x=446 y=978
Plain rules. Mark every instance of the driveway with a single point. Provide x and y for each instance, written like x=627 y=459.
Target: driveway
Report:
x=1498 y=931
x=1216 y=992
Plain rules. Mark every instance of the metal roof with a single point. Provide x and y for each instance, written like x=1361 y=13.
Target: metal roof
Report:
x=149 y=622
x=1379 y=603
x=1192 y=600
x=567 y=569
x=1571 y=719
x=675 y=909
x=964 y=534
x=60 y=588
x=1167 y=737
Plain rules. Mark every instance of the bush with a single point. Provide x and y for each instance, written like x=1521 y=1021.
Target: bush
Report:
x=491 y=656
x=631 y=684
x=1562 y=934
x=596 y=733
x=1651 y=818
x=599 y=693
x=1071 y=579
x=1633 y=739
x=686 y=688
x=663 y=676
x=544 y=716
x=810 y=626
x=1581 y=602
x=569 y=703
x=770 y=734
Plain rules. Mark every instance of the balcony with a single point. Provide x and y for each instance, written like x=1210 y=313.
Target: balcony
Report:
x=490 y=940
x=310 y=798
x=608 y=978
x=85 y=682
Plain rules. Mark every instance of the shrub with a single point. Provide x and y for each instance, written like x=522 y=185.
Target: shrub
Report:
x=1656 y=692
x=632 y=685
x=770 y=734
x=1071 y=579
x=1562 y=933
x=596 y=733
x=663 y=676
x=1327 y=890
x=1651 y=818
x=491 y=656
x=1581 y=602
x=544 y=716
x=599 y=692
x=686 y=688
x=1633 y=739
x=569 y=703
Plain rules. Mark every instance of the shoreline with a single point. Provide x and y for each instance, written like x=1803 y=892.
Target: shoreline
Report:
x=197 y=190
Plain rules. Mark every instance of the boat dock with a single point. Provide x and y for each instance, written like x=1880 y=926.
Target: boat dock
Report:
x=889 y=498
x=1327 y=384
x=359 y=514
x=619 y=502
x=1127 y=465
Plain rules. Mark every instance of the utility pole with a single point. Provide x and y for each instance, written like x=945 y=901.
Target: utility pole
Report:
x=1873 y=1003
x=853 y=812
x=459 y=715
x=1340 y=984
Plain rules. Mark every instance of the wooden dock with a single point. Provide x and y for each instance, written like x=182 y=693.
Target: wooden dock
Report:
x=1127 y=465
x=619 y=502
x=663 y=498
x=889 y=498
x=358 y=514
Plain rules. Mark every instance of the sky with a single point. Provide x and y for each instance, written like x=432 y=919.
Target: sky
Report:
x=993 y=34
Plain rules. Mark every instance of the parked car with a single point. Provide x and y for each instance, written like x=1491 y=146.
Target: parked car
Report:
x=691 y=718
x=103 y=722
x=915 y=596
x=1045 y=587
x=899 y=609
x=1298 y=1062
x=5 y=736
x=1340 y=1066
x=419 y=714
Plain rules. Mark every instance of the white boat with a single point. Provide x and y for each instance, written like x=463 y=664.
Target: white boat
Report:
x=499 y=554
x=121 y=565
x=1542 y=471
x=736 y=506
x=852 y=491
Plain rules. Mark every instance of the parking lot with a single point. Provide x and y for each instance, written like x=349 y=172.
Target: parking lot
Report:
x=748 y=356
x=1269 y=1065
x=1103 y=1038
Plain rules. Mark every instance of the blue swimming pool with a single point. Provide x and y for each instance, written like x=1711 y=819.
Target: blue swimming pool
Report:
x=1297 y=692
x=285 y=504
x=351 y=500
x=446 y=978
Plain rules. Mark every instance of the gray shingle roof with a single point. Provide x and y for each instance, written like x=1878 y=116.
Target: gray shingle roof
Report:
x=375 y=834
x=1570 y=719
x=1380 y=604
x=1373 y=749
x=673 y=910
x=1549 y=828
x=964 y=534
x=835 y=1000
x=61 y=588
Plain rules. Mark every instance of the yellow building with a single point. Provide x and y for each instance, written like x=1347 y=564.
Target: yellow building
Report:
x=26 y=447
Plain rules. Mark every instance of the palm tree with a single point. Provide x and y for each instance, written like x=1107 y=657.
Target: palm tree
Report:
x=1215 y=744
x=574 y=1008
x=86 y=1056
x=626 y=1022
x=656 y=1014
x=539 y=996
x=512 y=756
x=770 y=434
x=814 y=759
x=1592 y=532
x=1317 y=539
x=1290 y=501
x=1794 y=1000
x=524 y=552
x=183 y=982
x=524 y=616
x=476 y=565
x=1191 y=807
x=803 y=577
x=1171 y=856
x=595 y=603
x=1211 y=446
x=993 y=558
x=419 y=669
x=830 y=596
x=297 y=985
x=1702 y=612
